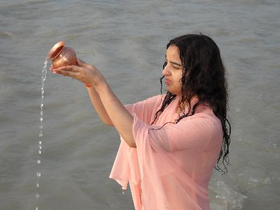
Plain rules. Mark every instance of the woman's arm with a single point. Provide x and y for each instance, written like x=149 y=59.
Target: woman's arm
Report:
x=97 y=104
x=108 y=106
x=120 y=117
x=94 y=97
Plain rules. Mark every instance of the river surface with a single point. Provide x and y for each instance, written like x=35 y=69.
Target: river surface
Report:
x=126 y=40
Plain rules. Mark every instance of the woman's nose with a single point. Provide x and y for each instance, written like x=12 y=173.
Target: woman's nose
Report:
x=165 y=71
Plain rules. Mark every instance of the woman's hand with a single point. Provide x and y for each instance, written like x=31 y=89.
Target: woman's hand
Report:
x=83 y=72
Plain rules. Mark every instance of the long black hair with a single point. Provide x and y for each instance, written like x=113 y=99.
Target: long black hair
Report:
x=204 y=77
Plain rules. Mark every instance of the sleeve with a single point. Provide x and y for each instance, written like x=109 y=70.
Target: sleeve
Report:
x=126 y=166
x=162 y=179
x=145 y=110
x=190 y=133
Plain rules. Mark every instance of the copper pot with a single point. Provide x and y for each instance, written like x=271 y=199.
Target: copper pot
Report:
x=61 y=55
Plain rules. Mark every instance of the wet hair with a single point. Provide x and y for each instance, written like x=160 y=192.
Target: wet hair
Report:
x=203 y=76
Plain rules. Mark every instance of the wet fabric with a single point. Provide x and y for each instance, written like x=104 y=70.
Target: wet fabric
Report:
x=172 y=164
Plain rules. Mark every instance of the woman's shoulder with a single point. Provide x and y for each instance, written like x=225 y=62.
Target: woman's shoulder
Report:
x=145 y=107
x=205 y=115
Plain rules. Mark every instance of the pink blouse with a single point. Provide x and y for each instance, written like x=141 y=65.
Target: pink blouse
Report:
x=172 y=165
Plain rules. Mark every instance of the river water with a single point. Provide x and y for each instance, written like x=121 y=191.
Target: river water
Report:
x=126 y=40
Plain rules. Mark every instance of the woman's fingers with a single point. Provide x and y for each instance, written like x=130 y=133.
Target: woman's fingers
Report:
x=73 y=75
x=80 y=73
x=66 y=69
x=83 y=72
x=51 y=68
x=80 y=62
x=84 y=64
x=71 y=71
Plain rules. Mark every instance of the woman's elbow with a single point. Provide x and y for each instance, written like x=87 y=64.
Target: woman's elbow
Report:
x=109 y=123
x=131 y=144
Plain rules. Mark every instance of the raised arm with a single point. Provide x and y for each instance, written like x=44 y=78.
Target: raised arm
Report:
x=107 y=105
x=120 y=117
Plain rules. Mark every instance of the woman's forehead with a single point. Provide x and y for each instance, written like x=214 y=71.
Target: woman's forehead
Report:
x=172 y=52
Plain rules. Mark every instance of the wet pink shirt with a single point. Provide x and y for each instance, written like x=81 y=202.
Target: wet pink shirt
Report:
x=171 y=166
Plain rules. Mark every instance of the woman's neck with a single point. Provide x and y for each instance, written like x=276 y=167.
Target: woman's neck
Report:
x=181 y=107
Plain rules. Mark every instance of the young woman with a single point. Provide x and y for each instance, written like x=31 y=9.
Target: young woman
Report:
x=169 y=143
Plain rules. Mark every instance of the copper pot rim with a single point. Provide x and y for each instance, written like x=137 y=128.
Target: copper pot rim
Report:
x=54 y=48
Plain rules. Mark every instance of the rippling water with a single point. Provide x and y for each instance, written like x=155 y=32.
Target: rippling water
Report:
x=126 y=41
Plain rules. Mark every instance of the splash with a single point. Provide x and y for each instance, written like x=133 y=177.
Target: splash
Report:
x=226 y=197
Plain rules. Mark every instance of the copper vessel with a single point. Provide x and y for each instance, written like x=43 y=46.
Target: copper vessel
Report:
x=61 y=55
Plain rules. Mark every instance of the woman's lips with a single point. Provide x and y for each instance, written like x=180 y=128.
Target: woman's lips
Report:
x=167 y=81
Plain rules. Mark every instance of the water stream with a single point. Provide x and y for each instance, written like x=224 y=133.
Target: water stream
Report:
x=40 y=141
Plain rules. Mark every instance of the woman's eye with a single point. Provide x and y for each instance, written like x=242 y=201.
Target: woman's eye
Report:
x=176 y=67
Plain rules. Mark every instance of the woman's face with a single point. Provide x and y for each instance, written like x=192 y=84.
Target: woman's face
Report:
x=172 y=72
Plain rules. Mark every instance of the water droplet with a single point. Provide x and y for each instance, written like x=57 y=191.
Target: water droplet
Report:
x=38 y=162
x=42 y=105
x=37 y=208
x=39 y=152
x=41 y=119
x=123 y=192
x=37 y=185
x=40 y=135
x=39 y=174
x=37 y=195
x=40 y=142
x=40 y=146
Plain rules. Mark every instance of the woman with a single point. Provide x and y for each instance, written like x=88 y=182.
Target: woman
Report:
x=169 y=143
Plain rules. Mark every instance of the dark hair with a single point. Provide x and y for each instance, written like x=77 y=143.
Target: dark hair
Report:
x=204 y=77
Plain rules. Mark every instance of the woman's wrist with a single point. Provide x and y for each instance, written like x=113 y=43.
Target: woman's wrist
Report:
x=87 y=85
x=100 y=86
x=94 y=78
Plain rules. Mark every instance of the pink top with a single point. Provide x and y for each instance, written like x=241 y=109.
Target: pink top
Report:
x=171 y=166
